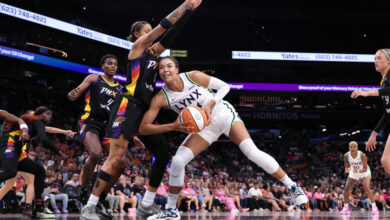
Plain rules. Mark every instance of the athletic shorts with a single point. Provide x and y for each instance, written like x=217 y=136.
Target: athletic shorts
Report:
x=125 y=117
x=223 y=117
x=95 y=126
x=359 y=176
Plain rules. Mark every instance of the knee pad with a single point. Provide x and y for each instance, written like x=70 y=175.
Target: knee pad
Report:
x=259 y=157
x=104 y=176
x=183 y=156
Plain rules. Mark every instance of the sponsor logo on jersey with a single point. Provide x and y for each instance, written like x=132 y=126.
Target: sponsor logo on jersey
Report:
x=118 y=121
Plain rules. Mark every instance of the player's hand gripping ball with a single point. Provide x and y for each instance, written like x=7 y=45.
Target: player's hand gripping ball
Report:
x=195 y=118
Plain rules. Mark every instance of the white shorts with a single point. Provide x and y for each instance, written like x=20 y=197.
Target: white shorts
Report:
x=223 y=117
x=359 y=176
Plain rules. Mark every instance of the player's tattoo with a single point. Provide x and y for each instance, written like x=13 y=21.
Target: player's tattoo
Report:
x=97 y=183
x=121 y=146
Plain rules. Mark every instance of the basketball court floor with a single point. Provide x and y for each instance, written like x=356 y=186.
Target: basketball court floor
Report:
x=240 y=216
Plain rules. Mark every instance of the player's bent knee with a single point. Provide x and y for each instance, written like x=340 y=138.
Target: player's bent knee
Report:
x=177 y=165
x=95 y=156
x=259 y=157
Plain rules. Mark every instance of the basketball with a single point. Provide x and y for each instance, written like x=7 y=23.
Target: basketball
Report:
x=194 y=117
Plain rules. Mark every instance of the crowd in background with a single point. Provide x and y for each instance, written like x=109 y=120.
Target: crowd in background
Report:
x=219 y=179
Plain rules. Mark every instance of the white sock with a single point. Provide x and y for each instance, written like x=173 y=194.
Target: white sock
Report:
x=172 y=201
x=373 y=205
x=346 y=205
x=93 y=200
x=287 y=181
x=148 y=199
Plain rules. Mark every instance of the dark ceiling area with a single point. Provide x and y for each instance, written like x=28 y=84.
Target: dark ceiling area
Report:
x=245 y=25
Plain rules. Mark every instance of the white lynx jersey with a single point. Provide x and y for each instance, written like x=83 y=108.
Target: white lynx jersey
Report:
x=193 y=94
x=355 y=163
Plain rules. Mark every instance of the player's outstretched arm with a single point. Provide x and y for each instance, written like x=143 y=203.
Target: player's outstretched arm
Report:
x=79 y=90
x=145 y=41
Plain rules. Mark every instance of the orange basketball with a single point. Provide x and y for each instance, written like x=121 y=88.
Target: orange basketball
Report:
x=194 y=117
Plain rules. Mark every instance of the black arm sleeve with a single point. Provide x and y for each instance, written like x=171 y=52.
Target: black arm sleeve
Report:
x=382 y=122
x=170 y=35
x=41 y=133
x=384 y=91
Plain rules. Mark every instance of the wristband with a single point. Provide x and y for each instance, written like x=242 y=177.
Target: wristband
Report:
x=23 y=126
x=165 y=23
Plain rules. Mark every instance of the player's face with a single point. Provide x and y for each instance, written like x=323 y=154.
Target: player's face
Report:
x=353 y=147
x=167 y=70
x=144 y=30
x=110 y=66
x=46 y=117
x=382 y=63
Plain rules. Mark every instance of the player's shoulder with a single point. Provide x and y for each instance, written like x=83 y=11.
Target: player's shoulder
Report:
x=92 y=77
x=159 y=99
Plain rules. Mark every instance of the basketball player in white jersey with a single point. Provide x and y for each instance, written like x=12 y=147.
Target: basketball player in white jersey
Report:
x=195 y=88
x=355 y=163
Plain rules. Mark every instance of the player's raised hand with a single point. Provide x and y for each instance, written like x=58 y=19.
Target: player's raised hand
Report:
x=194 y=3
x=370 y=146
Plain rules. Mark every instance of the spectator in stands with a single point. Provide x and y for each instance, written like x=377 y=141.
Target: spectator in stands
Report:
x=331 y=199
x=161 y=194
x=386 y=196
x=270 y=198
x=256 y=200
x=279 y=198
x=138 y=187
x=320 y=198
x=74 y=181
x=124 y=190
x=380 y=199
x=220 y=194
x=243 y=197
x=189 y=196
x=208 y=198
x=234 y=192
x=114 y=201
x=60 y=179
x=313 y=202
x=198 y=189
x=55 y=193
